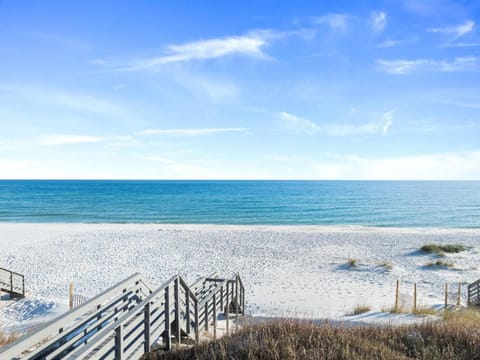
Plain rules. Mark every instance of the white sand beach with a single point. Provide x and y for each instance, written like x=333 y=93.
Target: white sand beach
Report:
x=294 y=271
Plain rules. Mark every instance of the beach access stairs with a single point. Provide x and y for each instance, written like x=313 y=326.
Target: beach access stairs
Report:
x=133 y=318
x=474 y=293
x=12 y=283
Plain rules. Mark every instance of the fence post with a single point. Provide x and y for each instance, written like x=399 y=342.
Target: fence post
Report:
x=11 y=284
x=197 y=330
x=459 y=293
x=118 y=343
x=206 y=316
x=414 y=298
x=236 y=303
x=396 y=295
x=168 y=338
x=147 y=328
x=214 y=316
x=187 y=302
x=446 y=296
x=70 y=296
x=178 y=334
x=227 y=306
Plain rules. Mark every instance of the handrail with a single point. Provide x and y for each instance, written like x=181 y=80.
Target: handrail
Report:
x=58 y=324
x=10 y=285
x=172 y=310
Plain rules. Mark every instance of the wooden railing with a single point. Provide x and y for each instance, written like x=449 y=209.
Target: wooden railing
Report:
x=127 y=326
x=12 y=282
x=474 y=293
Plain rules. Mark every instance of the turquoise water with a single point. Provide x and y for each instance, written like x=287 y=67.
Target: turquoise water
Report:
x=372 y=203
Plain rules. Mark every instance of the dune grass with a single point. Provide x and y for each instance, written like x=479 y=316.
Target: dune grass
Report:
x=360 y=309
x=6 y=339
x=440 y=264
x=386 y=265
x=352 y=263
x=440 y=250
x=456 y=337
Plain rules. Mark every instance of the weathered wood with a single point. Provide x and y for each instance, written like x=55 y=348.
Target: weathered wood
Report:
x=125 y=320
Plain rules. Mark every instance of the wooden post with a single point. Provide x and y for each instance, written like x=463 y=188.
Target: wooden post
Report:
x=214 y=316
x=147 y=344
x=414 y=298
x=446 y=296
x=118 y=343
x=206 y=316
x=187 y=302
x=396 y=296
x=176 y=294
x=197 y=330
x=236 y=303
x=167 y=338
x=70 y=296
x=227 y=306
x=459 y=293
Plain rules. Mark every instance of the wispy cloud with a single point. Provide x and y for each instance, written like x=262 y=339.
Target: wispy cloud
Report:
x=191 y=132
x=68 y=100
x=249 y=45
x=455 y=31
x=403 y=66
x=337 y=22
x=69 y=139
x=379 y=21
x=301 y=125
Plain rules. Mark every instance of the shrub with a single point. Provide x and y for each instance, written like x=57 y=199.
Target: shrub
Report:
x=360 y=309
x=388 y=266
x=440 y=264
x=442 y=249
x=352 y=262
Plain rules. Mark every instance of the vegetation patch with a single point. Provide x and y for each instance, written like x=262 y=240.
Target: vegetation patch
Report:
x=440 y=264
x=360 y=309
x=7 y=339
x=456 y=337
x=440 y=250
x=388 y=266
x=352 y=263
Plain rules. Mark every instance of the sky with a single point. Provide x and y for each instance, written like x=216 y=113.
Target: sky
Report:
x=240 y=90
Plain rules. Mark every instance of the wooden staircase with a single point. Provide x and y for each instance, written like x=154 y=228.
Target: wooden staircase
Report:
x=12 y=283
x=132 y=318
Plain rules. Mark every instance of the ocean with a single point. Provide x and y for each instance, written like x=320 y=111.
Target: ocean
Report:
x=445 y=204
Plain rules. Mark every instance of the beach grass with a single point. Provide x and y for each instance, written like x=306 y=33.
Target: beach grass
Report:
x=6 y=339
x=388 y=266
x=456 y=337
x=360 y=309
x=352 y=263
x=440 y=264
x=440 y=250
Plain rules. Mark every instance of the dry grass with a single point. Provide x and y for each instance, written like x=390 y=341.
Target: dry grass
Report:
x=440 y=250
x=439 y=264
x=360 y=309
x=457 y=337
x=352 y=263
x=388 y=266
x=6 y=339
x=424 y=310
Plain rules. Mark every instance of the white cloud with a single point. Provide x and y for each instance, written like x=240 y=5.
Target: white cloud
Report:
x=72 y=101
x=402 y=66
x=456 y=31
x=301 y=125
x=442 y=166
x=69 y=139
x=337 y=22
x=249 y=45
x=190 y=132
x=379 y=21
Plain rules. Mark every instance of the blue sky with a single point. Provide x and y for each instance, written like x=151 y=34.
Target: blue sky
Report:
x=240 y=90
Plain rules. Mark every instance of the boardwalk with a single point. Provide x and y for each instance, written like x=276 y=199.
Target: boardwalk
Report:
x=131 y=317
